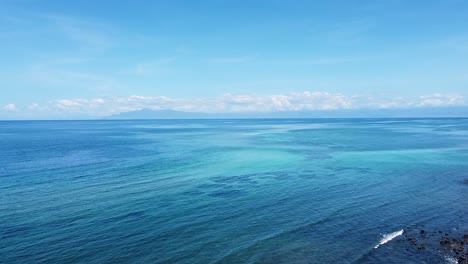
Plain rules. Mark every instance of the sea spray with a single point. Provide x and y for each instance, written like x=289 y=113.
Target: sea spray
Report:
x=388 y=237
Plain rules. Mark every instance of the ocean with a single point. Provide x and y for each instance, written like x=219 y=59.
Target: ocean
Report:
x=233 y=191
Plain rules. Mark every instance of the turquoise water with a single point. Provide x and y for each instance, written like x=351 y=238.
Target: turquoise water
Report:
x=229 y=191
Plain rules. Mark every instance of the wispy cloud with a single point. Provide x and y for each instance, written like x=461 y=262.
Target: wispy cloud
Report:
x=457 y=43
x=57 y=75
x=154 y=67
x=81 y=33
x=338 y=60
x=322 y=60
x=348 y=33
x=231 y=60
x=90 y=34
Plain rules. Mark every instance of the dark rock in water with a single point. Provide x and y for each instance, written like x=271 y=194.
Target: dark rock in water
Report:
x=422 y=233
x=451 y=244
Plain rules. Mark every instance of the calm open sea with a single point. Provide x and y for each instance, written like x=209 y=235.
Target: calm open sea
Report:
x=231 y=191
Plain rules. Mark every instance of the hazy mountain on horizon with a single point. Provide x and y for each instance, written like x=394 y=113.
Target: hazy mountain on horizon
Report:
x=437 y=112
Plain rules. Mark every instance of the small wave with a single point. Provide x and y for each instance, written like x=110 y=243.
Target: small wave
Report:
x=389 y=237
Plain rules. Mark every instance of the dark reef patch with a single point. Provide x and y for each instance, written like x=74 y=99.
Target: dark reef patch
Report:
x=12 y=231
x=227 y=193
x=233 y=179
x=192 y=192
x=448 y=243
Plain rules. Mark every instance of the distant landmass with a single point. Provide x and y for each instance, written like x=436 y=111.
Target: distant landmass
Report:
x=461 y=111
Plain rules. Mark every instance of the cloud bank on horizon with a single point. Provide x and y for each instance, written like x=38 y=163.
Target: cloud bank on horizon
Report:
x=228 y=103
x=93 y=59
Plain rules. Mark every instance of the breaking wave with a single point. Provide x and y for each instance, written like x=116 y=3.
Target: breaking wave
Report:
x=388 y=237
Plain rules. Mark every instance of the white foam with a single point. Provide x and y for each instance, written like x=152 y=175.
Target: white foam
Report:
x=451 y=260
x=389 y=237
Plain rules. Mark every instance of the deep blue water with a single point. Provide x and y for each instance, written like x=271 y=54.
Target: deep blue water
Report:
x=229 y=191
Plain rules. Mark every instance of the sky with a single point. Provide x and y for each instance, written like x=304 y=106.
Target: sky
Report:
x=72 y=59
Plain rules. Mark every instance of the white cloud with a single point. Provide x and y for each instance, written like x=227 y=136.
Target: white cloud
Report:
x=304 y=101
x=10 y=108
x=70 y=104
x=441 y=100
x=33 y=106
x=284 y=102
x=388 y=102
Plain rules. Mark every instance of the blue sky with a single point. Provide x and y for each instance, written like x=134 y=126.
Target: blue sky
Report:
x=63 y=59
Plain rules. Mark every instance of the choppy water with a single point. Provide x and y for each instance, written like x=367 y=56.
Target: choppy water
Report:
x=229 y=191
